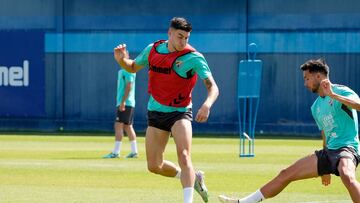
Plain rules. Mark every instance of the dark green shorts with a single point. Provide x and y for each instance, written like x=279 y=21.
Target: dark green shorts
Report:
x=328 y=159
x=126 y=117
x=165 y=121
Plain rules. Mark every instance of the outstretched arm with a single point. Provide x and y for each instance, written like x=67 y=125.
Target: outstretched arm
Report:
x=213 y=92
x=352 y=103
x=121 y=56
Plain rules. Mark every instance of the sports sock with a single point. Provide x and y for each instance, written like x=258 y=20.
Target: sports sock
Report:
x=188 y=194
x=253 y=198
x=133 y=146
x=117 y=147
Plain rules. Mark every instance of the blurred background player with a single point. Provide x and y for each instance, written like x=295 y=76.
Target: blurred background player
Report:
x=173 y=69
x=125 y=106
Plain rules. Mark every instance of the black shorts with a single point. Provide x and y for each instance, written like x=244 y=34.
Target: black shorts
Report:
x=328 y=159
x=165 y=121
x=126 y=117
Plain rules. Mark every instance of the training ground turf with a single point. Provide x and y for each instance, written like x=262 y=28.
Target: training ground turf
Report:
x=65 y=168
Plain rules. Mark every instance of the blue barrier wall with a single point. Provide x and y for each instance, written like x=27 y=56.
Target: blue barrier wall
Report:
x=80 y=72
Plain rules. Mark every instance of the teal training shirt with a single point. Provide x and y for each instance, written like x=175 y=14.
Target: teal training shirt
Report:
x=125 y=77
x=339 y=122
x=182 y=65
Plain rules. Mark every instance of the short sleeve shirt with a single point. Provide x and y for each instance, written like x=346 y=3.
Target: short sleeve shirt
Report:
x=194 y=61
x=339 y=122
x=125 y=77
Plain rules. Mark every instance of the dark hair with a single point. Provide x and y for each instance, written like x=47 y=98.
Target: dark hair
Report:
x=180 y=23
x=316 y=66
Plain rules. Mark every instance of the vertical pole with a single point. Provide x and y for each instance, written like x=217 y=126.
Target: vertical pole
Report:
x=240 y=126
x=244 y=124
x=250 y=123
x=255 y=117
x=239 y=123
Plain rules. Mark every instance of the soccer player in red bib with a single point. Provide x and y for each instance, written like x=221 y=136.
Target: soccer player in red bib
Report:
x=174 y=66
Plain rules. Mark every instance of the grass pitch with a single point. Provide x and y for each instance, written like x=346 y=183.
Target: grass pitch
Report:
x=70 y=169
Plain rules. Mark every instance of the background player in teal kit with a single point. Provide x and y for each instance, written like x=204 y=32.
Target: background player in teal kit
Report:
x=125 y=106
x=173 y=68
x=335 y=114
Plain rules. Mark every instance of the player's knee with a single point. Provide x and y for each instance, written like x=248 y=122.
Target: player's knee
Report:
x=285 y=175
x=184 y=158
x=153 y=168
x=347 y=177
x=127 y=127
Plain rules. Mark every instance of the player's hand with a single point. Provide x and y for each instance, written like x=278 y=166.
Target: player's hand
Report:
x=326 y=179
x=122 y=106
x=120 y=52
x=326 y=87
x=203 y=114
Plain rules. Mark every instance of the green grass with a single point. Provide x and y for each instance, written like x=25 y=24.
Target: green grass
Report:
x=70 y=169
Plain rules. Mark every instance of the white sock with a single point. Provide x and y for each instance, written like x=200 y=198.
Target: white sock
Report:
x=178 y=174
x=253 y=198
x=133 y=146
x=188 y=194
x=117 y=147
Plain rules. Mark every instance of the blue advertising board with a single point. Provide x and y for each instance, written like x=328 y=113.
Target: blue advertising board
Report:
x=22 y=86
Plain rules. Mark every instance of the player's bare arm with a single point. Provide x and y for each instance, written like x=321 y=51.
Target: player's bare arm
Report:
x=125 y=96
x=352 y=103
x=121 y=56
x=213 y=92
x=325 y=179
x=323 y=139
